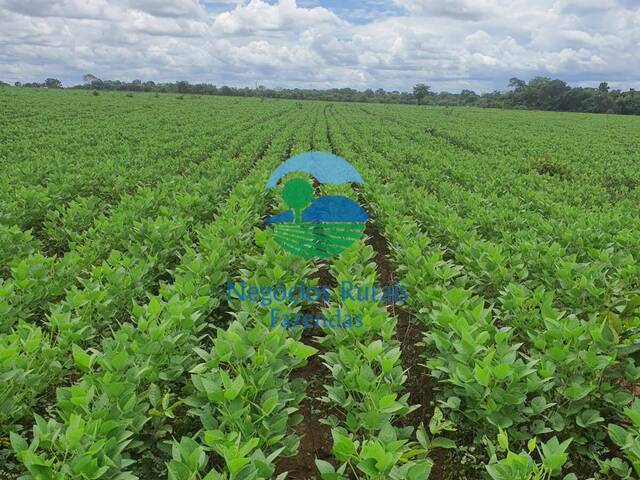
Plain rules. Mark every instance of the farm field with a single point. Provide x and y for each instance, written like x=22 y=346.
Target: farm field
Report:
x=516 y=355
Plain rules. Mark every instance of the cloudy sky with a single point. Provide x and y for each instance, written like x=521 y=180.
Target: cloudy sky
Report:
x=449 y=44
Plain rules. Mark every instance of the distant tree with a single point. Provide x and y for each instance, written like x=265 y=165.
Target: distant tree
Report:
x=468 y=97
x=629 y=102
x=519 y=93
x=420 y=91
x=494 y=99
x=576 y=99
x=89 y=78
x=183 y=86
x=98 y=85
x=516 y=83
x=543 y=93
x=603 y=101
x=52 y=83
x=539 y=93
x=17 y=84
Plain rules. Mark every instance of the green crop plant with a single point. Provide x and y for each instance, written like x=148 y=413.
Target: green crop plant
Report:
x=122 y=218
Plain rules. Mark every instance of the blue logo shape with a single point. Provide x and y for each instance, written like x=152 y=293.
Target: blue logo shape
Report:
x=324 y=167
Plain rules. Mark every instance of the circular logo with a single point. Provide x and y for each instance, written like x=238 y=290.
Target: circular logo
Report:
x=320 y=227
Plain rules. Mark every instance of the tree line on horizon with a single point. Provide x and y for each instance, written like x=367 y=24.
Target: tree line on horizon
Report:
x=539 y=93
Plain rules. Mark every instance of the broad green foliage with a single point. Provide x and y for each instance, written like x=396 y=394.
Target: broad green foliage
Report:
x=521 y=466
x=529 y=319
x=242 y=394
x=121 y=218
x=627 y=439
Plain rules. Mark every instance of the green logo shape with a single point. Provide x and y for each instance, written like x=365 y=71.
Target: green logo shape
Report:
x=297 y=194
x=317 y=228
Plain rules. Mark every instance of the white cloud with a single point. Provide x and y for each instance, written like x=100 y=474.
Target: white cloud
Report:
x=71 y=9
x=174 y=8
x=451 y=44
x=460 y=9
x=259 y=16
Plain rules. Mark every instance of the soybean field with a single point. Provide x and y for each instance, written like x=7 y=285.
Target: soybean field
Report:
x=124 y=218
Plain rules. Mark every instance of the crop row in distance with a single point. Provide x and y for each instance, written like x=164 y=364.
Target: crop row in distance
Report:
x=517 y=233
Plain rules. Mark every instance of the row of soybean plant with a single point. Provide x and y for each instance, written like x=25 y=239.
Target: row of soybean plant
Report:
x=68 y=149
x=554 y=302
x=568 y=240
x=592 y=150
x=243 y=393
x=575 y=330
x=520 y=262
x=119 y=407
x=512 y=230
x=366 y=394
x=577 y=260
x=463 y=341
x=35 y=280
x=35 y=356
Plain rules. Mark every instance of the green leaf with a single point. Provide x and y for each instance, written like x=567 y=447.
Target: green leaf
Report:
x=368 y=466
x=502 y=371
x=422 y=437
x=503 y=440
x=237 y=464
x=248 y=446
x=178 y=471
x=557 y=422
x=632 y=305
x=387 y=401
x=236 y=387
x=577 y=391
x=213 y=475
x=212 y=437
x=531 y=444
x=301 y=350
x=499 y=472
x=269 y=401
x=539 y=405
x=125 y=476
x=482 y=375
x=589 y=417
x=372 y=350
x=634 y=413
x=81 y=358
x=154 y=394
x=324 y=467
x=620 y=436
x=420 y=471
x=435 y=421
x=453 y=403
x=119 y=360
x=442 y=442
x=343 y=447
x=18 y=443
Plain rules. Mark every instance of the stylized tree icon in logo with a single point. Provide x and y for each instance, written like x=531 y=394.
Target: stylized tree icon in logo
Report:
x=322 y=227
x=297 y=194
